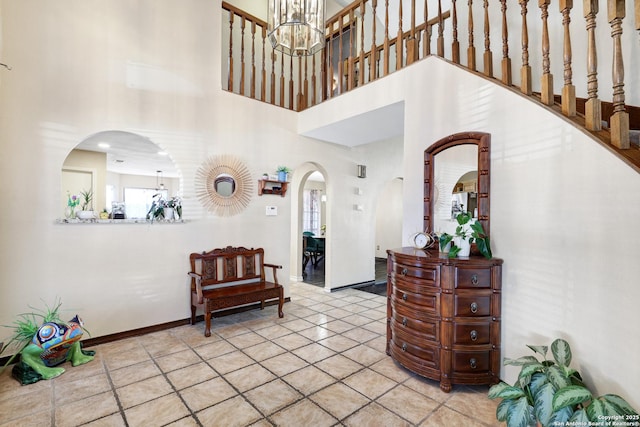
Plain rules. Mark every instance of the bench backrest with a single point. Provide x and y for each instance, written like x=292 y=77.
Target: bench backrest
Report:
x=230 y=265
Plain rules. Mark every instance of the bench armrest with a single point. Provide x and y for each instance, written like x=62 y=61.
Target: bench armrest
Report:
x=197 y=278
x=275 y=267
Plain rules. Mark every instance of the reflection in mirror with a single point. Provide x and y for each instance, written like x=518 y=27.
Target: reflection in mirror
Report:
x=456 y=178
x=224 y=185
x=118 y=161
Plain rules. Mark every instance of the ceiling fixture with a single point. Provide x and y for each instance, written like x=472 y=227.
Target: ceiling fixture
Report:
x=159 y=183
x=296 y=27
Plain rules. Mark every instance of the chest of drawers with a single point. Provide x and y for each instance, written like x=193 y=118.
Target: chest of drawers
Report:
x=443 y=316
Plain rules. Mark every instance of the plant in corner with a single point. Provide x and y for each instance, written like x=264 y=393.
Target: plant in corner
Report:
x=551 y=393
x=467 y=230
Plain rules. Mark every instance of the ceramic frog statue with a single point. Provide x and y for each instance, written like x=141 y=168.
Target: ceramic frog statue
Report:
x=53 y=344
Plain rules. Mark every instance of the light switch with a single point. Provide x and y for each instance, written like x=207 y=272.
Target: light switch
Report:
x=272 y=210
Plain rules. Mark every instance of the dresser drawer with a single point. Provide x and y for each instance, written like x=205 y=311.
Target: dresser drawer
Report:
x=473 y=278
x=429 y=356
x=422 y=313
x=467 y=362
x=411 y=326
x=472 y=333
x=427 y=274
x=472 y=306
x=423 y=301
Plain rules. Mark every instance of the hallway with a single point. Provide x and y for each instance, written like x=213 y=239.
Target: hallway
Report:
x=315 y=276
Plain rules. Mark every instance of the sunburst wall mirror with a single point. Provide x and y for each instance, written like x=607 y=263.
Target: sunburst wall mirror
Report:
x=224 y=185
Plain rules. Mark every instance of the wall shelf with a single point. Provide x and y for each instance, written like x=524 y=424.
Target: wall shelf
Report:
x=267 y=186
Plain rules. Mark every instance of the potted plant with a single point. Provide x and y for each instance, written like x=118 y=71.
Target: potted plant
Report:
x=104 y=214
x=173 y=208
x=86 y=209
x=467 y=232
x=283 y=171
x=164 y=209
x=550 y=393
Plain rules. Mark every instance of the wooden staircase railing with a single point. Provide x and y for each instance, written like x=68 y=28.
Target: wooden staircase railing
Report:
x=368 y=40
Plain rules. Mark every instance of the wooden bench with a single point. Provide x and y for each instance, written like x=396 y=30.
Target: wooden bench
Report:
x=230 y=277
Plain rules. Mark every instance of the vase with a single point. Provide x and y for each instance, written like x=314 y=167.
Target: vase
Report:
x=464 y=245
x=169 y=214
x=70 y=212
x=282 y=176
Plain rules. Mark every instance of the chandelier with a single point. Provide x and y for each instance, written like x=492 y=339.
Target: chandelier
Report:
x=296 y=27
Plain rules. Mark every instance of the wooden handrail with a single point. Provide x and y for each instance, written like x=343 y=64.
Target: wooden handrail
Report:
x=297 y=83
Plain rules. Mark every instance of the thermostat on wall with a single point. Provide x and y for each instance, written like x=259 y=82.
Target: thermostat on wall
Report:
x=272 y=210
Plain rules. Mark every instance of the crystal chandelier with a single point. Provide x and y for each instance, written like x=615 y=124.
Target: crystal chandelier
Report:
x=296 y=27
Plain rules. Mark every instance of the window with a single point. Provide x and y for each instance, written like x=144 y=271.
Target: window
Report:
x=311 y=211
x=137 y=201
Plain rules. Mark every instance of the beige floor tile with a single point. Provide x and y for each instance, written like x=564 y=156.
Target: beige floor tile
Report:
x=11 y=388
x=227 y=331
x=113 y=420
x=134 y=373
x=338 y=326
x=391 y=369
x=379 y=327
x=364 y=355
x=369 y=383
x=313 y=352
x=339 y=400
x=273 y=332
x=245 y=340
x=79 y=389
x=354 y=308
x=35 y=419
x=298 y=325
x=361 y=335
x=83 y=411
x=283 y=364
x=318 y=318
x=86 y=370
x=427 y=387
x=304 y=413
x=160 y=347
x=177 y=360
x=207 y=393
x=250 y=377
x=338 y=313
x=379 y=344
x=230 y=362
x=234 y=412
x=407 y=403
x=120 y=359
x=338 y=343
x=375 y=314
x=25 y=403
x=309 y=380
x=215 y=349
x=300 y=311
x=374 y=302
x=191 y=375
x=143 y=391
x=445 y=416
x=339 y=366
x=265 y=350
x=317 y=333
x=156 y=412
x=272 y=396
x=188 y=421
x=474 y=402
x=356 y=319
x=354 y=298
x=262 y=423
x=292 y=341
x=374 y=415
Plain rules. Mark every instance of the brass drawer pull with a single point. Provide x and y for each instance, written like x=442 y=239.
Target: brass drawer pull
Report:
x=404 y=297
x=474 y=279
x=404 y=346
x=473 y=363
x=405 y=271
x=404 y=321
x=474 y=335
x=474 y=307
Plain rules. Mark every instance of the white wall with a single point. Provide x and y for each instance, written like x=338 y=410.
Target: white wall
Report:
x=561 y=204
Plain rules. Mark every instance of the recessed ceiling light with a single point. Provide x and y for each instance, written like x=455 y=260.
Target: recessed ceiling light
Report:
x=163 y=153
x=103 y=145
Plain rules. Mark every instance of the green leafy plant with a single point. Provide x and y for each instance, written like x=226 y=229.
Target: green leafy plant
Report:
x=86 y=198
x=467 y=230
x=283 y=169
x=551 y=393
x=159 y=204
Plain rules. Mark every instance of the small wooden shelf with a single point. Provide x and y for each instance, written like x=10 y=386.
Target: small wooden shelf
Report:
x=267 y=186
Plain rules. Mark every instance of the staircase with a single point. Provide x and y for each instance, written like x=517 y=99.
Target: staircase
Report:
x=369 y=39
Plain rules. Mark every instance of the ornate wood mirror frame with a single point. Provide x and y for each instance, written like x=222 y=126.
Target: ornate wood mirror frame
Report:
x=483 y=141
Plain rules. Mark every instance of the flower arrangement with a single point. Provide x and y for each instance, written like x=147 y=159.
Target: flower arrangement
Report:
x=72 y=201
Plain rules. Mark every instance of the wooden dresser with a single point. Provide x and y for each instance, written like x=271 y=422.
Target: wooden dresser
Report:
x=443 y=316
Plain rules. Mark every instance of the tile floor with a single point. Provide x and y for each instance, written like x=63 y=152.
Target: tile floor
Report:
x=323 y=364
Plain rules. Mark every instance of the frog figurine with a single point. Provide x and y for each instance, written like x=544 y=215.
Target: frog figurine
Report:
x=53 y=344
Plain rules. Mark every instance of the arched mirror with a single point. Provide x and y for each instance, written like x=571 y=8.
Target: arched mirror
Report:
x=452 y=165
x=224 y=185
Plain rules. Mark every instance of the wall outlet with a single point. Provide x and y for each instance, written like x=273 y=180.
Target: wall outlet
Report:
x=272 y=211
